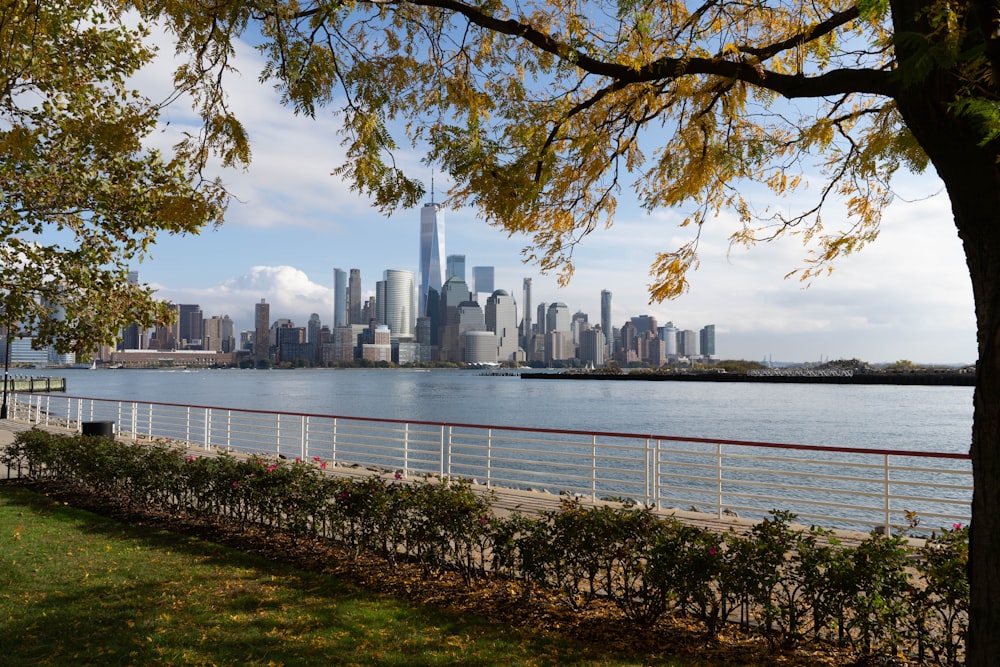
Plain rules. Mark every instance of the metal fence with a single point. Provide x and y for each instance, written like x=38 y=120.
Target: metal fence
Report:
x=835 y=487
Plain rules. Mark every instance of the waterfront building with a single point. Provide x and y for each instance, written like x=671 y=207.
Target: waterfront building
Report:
x=431 y=252
x=354 y=303
x=479 y=347
x=668 y=334
x=377 y=345
x=215 y=340
x=687 y=343
x=592 y=346
x=340 y=298
x=187 y=326
x=345 y=344
x=606 y=326
x=262 y=331
x=707 y=340
x=470 y=318
x=394 y=303
x=559 y=347
x=501 y=319
x=541 y=322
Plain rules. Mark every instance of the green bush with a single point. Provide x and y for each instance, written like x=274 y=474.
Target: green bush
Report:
x=880 y=597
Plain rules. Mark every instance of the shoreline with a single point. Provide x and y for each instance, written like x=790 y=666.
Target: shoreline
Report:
x=937 y=379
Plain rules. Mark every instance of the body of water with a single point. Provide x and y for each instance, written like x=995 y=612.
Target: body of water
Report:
x=884 y=417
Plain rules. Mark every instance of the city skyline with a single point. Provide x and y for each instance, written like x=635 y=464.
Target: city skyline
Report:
x=907 y=296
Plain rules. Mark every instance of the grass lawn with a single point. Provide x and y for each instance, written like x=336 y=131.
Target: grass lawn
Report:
x=78 y=588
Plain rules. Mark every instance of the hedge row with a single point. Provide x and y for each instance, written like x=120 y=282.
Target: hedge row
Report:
x=880 y=598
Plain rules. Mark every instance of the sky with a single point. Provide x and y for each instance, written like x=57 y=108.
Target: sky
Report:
x=906 y=296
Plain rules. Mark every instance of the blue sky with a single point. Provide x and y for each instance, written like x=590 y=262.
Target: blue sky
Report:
x=907 y=296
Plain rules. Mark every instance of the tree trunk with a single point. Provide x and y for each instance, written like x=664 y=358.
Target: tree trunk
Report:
x=972 y=177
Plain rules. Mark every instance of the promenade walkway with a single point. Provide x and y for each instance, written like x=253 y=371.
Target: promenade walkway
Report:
x=507 y=500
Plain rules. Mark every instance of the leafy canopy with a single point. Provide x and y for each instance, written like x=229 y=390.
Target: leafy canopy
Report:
x=544 y=111
x=81 y=196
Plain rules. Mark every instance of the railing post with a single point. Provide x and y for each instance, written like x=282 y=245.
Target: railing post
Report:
x=886 y=490
x=303 y=442
x=149 y=422
x=593 y=468
x=208 y=428
x=718 y=476
x=229 y=430
x=333 y=451
x=187 y=426
x=649 y=473
x=445 y=431
x=489 y=458
x=406 y=448
x=134 y=421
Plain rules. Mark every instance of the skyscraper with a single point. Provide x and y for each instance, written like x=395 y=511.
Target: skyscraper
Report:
x=394 y=303
x=431 y=251
x=339 y=297
x=456 y=267
x=707 y=339
x=557 y=318
x=526 y=318
x=354 y=305
x=501 y=319
x=262 y=330
x=482 y=279
x=606 y=321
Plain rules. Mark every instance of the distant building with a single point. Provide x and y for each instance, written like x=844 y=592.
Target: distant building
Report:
x=707 y=340
x=262 y=331
x=456 y=267
x=592 y=347
x=479 y=347
x=501 y=319
x=354 y=304
x=431 y=252
x=482 y=280
x=557 y=318
x=606 y=325
x=394 y=303
x=340 y=298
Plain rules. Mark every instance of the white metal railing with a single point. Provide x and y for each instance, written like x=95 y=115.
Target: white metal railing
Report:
x=830 y=486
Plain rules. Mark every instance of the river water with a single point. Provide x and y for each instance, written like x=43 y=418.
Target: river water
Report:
x=882 y=417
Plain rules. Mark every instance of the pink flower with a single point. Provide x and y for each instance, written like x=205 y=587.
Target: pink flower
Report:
x=316 y=459
x=956 y=526
x=235 y=484
x=712 y=551
x=191 y=458
x=271 y=468
x=322 y=466
x=298 y=460
x=398 y=475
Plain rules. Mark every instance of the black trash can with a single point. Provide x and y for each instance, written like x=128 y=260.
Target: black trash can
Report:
x=103 y=429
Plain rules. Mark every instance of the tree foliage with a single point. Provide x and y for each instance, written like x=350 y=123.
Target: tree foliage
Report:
x=81 y=195
x=543 y=111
